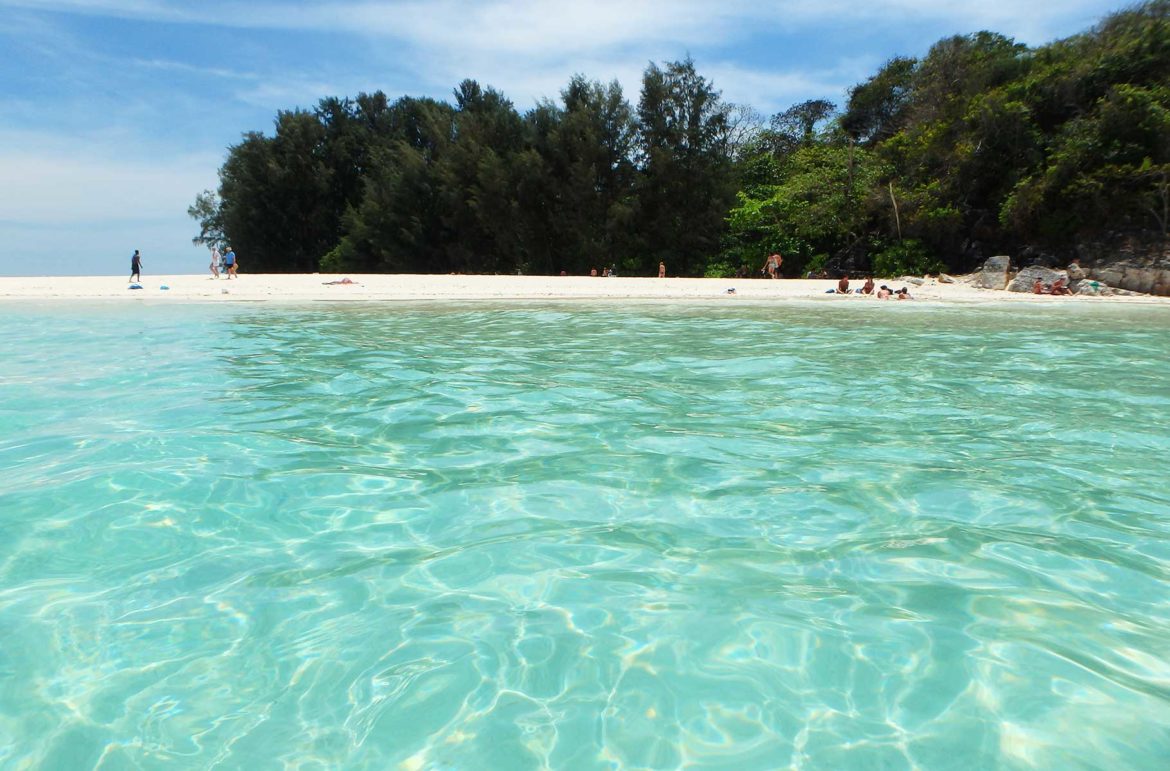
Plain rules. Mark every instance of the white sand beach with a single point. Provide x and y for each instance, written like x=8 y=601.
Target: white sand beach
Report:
x=381 y=287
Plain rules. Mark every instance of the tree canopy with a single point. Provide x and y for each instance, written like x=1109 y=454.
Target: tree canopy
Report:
x=981 y=146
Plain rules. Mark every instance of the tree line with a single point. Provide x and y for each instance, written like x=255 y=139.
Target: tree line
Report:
x=981 y=146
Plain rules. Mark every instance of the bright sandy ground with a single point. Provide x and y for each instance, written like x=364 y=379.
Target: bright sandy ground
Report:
x=307 y=288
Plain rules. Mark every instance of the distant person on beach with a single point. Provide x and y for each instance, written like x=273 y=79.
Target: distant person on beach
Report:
x=843 y=284
x=1058 y=287
x=229 y=262
x=867 y=288
x=884 y=293
x=662 y=270
x=215 y=259
x=772 y=265
x=135 y=266
x=1038 y=287
x=593 y=271
x=904 y=294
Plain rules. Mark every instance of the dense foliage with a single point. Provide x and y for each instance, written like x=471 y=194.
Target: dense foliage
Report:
x=983 y=145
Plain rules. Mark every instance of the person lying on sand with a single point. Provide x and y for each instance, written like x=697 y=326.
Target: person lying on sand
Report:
x=904 y=294
x=884 y=293
x=340 y=281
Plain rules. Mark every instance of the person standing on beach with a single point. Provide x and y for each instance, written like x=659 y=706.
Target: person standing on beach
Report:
x=229 y=262
x=662 y=270
x=772 y=265
x=215 y=258
x=136 y=266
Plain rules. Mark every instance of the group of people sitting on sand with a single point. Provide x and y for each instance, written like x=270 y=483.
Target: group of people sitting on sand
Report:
x=1058 y=287
x=883 y=293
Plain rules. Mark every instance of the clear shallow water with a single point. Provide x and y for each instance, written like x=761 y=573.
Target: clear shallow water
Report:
x=584 y=536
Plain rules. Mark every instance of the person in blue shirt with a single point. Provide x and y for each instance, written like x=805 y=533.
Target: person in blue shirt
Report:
x=229 y=262
x=136 y=266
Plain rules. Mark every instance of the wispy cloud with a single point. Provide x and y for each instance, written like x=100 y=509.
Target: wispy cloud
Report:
x=47 y=180
x=567 y=26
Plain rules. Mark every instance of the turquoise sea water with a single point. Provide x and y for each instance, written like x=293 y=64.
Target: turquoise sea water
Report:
x=584 y=536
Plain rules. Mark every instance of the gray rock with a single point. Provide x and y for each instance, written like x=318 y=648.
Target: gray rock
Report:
x=1129 y=262
x=994 y=273
x=1025 y=279
x=1089 y=287
x=943 y=278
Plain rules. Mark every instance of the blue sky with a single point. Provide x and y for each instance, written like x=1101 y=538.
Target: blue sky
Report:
x=114 y=114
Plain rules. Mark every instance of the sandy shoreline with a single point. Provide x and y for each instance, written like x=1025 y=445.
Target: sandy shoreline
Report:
x=292 y=288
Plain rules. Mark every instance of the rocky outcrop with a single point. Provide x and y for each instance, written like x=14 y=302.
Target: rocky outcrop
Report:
x=1026 y=278
x=1094 y=288
x=1145 y=277
x=1138 y=263
x=994 y=273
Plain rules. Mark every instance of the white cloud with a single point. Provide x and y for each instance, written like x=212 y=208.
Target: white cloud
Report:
x=74 y=206
x=45 y=181
x=568 y=27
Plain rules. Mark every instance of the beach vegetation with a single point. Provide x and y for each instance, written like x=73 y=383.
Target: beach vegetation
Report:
x=981 y=146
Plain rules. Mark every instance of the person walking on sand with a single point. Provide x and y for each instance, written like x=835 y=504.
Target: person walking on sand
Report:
x=135 y=267
x=772 y=265
x=229 y=262
x=215 y=258
x=662 y=270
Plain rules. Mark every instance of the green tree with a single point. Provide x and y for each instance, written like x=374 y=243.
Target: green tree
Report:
x=686 y=182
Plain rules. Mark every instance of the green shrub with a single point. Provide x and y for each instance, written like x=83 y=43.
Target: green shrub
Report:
x=721 y=269
x=906 y=258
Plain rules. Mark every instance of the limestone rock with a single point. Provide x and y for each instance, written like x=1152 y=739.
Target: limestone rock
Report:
x=1132 y=262
x=943 y=278
x=1027 y=277
x=994 y=273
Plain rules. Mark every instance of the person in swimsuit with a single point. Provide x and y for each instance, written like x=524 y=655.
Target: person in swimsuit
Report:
x=772 y=265
x=843 y=284
x=662 y=270
x=868 y=287
x=136 y=266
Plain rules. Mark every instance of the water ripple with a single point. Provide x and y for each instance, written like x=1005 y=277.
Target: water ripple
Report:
x=557 y=535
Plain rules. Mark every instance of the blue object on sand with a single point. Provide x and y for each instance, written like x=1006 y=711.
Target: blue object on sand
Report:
x=164 y=287
x=136 y=286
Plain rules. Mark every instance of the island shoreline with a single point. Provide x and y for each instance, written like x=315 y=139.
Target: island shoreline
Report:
x=372 y=288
